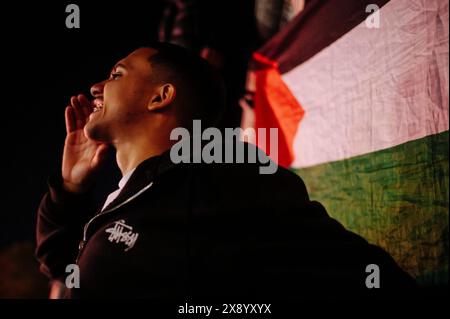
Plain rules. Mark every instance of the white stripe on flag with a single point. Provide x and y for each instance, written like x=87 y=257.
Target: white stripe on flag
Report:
x=375 y=88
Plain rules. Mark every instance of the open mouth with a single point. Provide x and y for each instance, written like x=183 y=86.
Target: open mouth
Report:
x=98 y=105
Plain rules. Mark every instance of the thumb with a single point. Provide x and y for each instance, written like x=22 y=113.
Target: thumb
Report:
x=99 y=156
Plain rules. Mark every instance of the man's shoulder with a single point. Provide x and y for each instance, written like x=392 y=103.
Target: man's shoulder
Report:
x=249 y=175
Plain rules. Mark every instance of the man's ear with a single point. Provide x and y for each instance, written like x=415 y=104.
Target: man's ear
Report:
x=163 y=96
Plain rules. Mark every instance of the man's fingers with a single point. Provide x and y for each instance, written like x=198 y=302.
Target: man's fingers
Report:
x=83 y=100
x=70 y=120
x=85 y=105
x=78 y=113
x=99 y=156
x=80 y=118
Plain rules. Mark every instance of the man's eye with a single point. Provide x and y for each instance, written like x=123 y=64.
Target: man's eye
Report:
x=115 y=75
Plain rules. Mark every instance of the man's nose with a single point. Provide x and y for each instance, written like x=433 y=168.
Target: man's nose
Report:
x=97 y=89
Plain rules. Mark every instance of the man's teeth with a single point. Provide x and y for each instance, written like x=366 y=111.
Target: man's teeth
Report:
x=97 y=108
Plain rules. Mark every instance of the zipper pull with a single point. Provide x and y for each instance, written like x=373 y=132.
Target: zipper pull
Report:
x=80 y=249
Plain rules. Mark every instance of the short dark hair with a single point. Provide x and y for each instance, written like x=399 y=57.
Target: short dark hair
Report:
x=200 y=88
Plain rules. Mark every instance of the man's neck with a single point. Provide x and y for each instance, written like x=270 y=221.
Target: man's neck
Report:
x=129 y=154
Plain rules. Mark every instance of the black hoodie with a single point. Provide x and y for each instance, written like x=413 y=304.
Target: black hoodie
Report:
x=208 y=230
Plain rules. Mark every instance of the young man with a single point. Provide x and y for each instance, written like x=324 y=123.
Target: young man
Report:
x=188 y=230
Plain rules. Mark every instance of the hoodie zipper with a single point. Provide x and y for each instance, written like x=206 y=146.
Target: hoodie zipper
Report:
x=86 y=226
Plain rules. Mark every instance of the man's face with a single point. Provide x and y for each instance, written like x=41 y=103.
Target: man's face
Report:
x=121 y=100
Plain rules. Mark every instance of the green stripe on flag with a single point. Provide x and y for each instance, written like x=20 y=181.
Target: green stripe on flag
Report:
x=396 y=198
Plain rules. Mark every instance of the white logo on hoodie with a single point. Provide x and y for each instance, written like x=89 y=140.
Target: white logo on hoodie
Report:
x=122 y=233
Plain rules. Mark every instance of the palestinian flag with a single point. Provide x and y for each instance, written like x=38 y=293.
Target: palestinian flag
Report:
x=361 y=102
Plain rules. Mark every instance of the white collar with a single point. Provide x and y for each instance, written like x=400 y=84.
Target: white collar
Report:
x=125 y=178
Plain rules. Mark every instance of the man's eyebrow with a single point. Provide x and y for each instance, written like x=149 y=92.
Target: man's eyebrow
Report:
x=118 y=65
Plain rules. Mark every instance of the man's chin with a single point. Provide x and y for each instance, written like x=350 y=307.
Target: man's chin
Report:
x=94 y=131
